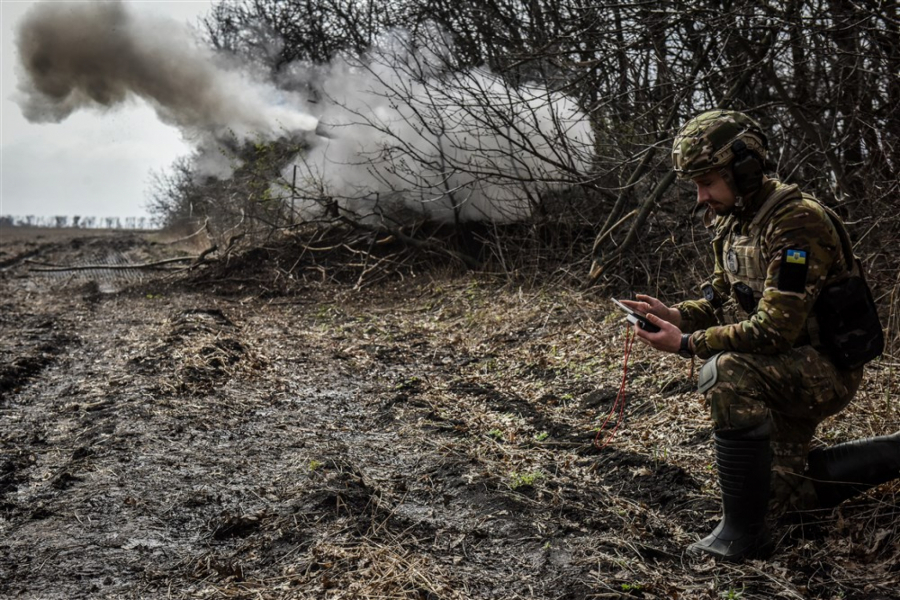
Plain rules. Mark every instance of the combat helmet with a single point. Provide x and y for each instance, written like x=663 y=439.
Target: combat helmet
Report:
x=712 y=139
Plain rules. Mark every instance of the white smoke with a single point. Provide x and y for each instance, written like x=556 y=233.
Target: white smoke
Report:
x=412 y=140
x=407 y=139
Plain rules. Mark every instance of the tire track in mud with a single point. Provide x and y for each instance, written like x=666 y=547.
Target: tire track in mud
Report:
x=64 y=402
x=35 y=335
x=44 y=442
x=151 y=454
x=38 y=344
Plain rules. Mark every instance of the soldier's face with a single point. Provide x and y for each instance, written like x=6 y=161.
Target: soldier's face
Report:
x=714 y=191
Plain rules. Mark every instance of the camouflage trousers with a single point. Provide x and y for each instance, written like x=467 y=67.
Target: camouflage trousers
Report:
x=797 y=390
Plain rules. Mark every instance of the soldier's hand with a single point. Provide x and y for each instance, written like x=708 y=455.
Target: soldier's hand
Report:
x=667 y=339
x=651 y=306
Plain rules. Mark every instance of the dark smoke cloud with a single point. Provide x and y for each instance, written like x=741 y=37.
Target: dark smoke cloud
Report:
x=78 y=55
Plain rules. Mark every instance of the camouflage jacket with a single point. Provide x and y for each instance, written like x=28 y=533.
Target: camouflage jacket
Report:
x=771 y=262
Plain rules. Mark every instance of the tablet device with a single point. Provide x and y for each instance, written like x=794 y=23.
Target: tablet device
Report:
x=637 y=318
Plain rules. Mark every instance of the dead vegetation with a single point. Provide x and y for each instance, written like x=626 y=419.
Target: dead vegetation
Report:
x=418 y=436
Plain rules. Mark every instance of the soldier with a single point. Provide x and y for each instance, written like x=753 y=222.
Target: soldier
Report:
x=771 y=324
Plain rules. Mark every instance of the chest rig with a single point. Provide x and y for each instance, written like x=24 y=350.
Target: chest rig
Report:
x=843 y=322
x=738 y=247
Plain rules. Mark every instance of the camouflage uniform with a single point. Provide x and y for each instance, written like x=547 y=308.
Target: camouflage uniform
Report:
x=767 y=377
x=772 y=258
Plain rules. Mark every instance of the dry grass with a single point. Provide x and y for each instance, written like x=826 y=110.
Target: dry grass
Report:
x=423 y=438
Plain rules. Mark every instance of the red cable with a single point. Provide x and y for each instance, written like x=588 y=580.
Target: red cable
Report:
x=619 y=405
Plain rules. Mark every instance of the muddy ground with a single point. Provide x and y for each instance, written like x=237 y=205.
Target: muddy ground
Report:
x=432 y=437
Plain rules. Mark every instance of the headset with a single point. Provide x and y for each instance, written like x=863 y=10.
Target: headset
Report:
x=747 y=168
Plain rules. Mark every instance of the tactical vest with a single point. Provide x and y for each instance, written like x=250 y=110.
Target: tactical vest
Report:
x=740 y=252
x=844 y=321
x=738 y=248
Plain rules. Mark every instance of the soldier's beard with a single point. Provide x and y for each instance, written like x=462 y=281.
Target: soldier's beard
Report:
x=720 y=208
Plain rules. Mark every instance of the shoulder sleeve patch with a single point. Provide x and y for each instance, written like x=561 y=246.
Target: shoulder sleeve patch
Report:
x=794 y=268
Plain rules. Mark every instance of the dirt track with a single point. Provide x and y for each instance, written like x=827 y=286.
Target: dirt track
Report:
x=424 y=439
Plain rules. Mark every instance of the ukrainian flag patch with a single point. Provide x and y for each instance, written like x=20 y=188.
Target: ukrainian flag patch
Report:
x=794 y=270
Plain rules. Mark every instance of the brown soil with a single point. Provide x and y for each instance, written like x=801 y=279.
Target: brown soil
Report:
x=188 y=436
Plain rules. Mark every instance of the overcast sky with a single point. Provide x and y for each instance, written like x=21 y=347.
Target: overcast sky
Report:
x=91 y=164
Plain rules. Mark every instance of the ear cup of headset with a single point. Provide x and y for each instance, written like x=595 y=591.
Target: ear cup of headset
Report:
x=747 y=169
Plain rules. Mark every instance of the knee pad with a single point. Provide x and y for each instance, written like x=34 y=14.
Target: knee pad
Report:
x=708 y=375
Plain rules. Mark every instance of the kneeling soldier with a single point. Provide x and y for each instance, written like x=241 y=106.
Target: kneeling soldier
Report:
x=785 y=324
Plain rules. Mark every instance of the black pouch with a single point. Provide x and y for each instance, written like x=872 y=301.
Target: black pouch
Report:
x=849 y=329
x=745 y=297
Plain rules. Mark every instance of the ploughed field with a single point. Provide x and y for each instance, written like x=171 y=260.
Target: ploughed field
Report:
x=208 y=434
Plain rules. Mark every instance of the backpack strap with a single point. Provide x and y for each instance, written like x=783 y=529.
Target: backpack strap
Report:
x=789 y=193
x=854 y=269
x=852 y=263
x=792 y=192
x=779 y=196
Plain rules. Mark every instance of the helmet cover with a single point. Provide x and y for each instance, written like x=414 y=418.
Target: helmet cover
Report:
x=705 y=142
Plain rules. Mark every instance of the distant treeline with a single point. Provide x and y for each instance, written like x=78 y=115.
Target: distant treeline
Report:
x=78 y=222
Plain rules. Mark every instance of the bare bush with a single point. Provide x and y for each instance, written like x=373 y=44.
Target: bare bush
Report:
x=820 y=76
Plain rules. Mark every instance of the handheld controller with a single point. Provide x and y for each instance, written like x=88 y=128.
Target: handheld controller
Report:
x=636 y=318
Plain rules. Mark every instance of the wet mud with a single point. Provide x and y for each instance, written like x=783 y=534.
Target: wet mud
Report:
x=169 y=435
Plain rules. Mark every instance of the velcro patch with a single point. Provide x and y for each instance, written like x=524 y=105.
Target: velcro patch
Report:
x=794 y=268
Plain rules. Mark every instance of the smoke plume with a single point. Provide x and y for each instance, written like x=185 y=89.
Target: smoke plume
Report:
x=77 y=55
x=408 y=138
x=413 y=141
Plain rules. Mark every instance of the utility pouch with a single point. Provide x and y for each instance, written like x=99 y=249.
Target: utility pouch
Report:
x=710 y=295
x=744 y=295
x=847 y=323
x=849 y=329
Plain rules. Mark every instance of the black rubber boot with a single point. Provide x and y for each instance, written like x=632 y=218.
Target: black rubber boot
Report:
x=744 y=460
x=849 y=469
